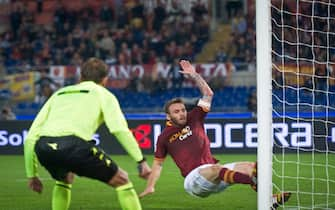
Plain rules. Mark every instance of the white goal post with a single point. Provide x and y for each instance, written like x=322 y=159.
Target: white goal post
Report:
x=264 y=117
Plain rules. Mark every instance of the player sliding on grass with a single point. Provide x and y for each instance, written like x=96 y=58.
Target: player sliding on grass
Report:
x=184 y=138
x=61 y=134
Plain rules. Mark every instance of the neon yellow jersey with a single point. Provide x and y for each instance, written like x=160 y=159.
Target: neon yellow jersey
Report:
x=79 y=110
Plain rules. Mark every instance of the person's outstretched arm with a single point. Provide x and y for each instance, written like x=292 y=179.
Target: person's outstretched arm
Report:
x=156 y=170
x=31 y=162
x=206 y=91
x=118 y=126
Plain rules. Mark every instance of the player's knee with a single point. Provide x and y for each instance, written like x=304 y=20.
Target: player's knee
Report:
x=119 y=179
x=216 y=169
x=211 y=173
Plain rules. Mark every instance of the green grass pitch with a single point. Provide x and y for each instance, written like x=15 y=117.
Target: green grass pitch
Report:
x=88 y=194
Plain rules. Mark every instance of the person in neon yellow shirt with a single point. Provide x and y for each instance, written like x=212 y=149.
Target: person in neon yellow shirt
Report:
x=60 y=139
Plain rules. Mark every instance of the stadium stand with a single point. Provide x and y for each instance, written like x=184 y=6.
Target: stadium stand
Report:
x=48 y=33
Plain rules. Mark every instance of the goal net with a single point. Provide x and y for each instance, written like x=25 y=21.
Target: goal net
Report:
x=303 y=102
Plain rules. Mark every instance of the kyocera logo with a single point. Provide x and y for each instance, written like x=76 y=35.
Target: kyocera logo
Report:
x=244 y=135
x=293 y=134
x=13 y=139
x=142 y=135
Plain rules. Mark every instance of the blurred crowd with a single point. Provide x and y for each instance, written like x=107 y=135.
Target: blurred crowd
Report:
x=124 y=32
x=304 y=36
x=240 y=49
x=120 y=33
x=315 y=34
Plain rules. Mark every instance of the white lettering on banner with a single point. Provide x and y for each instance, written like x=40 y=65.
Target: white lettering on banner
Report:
x=3 y=138
x=139 y=69
x=280 y=132
x=220 y=70
x=112 y=73
x=228 y=131
x=207 y=69
x=213 y=70
x=14 y=139
x=250 y=136
x=333 y=134
x=217 y=134
x=163 y=69
x=124 y=71
x=304 y=136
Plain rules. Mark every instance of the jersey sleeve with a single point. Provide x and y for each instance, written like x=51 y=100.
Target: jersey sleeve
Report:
x=118 y=126
x=198 y=113
x=32 y=136
x=112 y=113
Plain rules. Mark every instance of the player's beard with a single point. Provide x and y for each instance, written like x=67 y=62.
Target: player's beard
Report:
x=180 y=121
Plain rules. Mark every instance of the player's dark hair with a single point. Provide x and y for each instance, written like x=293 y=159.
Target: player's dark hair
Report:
x=94 y=70
x=172 y=101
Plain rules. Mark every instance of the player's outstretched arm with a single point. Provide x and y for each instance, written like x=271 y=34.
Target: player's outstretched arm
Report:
x=206 y=91
x=156 y=170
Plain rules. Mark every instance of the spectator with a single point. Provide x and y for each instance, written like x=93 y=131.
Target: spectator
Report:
x=239 y=24
x=221 y=55
x=2 y=67
x=252 y=103
x=16 y=19
x=321 y=77
x=277 y=80
x=174 y=73
x=159 y=16
x=198 y=11
x=160 y=84
x=174 y=12
x=44 y=95
x=45 y=86
x=134 y=82
x=232 y=6
x=107 y=13
x=39 y=6
x=7 y=113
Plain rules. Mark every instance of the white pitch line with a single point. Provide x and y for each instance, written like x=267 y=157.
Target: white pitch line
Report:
x=41 y=178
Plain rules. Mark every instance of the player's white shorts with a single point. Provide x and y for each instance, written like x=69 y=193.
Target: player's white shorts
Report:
x=198 y=186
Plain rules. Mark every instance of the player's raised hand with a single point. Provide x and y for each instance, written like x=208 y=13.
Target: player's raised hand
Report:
x=187 y=68
x=147 y=191
x=144 y=170
x=35 y=184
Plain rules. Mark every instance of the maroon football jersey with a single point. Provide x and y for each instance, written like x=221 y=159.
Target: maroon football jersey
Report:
x=189 y=146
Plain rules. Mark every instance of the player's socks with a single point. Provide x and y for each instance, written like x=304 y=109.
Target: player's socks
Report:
x=128 y=198
x=61 y=196
x=254 y=177
x=230 y=176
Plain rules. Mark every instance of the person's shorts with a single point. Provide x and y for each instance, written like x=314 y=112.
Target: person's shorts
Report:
x=197 y=185
x=61 y=155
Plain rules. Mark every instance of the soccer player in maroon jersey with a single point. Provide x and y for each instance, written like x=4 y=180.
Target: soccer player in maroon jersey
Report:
x=184 y=138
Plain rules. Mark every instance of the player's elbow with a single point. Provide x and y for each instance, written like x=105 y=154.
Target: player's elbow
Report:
x=209 y=94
